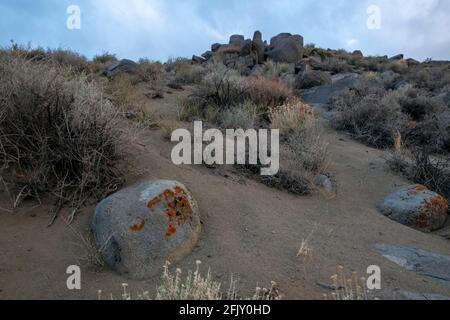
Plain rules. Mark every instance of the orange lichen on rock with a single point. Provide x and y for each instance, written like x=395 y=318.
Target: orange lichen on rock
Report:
x=437 y=204
x=138 y=227
x=179 y=190
x=154 y=202
x=178 y=208
x=168 y=194
x=172 y=214
x=171 y=230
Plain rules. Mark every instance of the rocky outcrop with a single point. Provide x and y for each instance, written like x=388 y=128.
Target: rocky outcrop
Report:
x=258 y=47
x=417 y=207
x=286 y=48
x=236 y=39
x=140 y=228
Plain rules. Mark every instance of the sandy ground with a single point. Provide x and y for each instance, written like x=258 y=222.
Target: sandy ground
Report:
x=250 y=230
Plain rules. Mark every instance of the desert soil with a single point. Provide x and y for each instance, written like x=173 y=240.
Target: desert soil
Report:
x=249 y=230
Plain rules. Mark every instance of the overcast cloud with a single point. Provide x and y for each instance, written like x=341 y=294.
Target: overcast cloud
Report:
x=160 y=29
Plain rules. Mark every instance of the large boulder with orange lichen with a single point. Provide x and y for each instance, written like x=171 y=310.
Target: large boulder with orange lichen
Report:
x=417 y=207
x=139 y=228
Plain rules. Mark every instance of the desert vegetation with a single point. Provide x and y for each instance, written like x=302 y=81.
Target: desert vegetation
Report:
x=406 y=112
x=227 y=99
x=194 y=286
x=59 y=136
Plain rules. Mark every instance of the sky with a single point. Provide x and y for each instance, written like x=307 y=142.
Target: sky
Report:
x=161 y=29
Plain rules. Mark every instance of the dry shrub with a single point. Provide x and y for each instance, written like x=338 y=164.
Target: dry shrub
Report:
x=398 y=66
x=194 y=108
x=291 y=118
x=432 y=78
x=57 y=133
x=104 y=57
x=268 y=93
x=102 y=61
x=222 y=88
x=185 y=71
x=421 y=166
x=62 y=57
x=372 y=119
x=436 y=130
x=273 y=70
x=303 y=152
x=335 y=65
x=244 y=116
x=375 y=64
x=369 y=112
x=123 y=93
x=417 y=103
x=150 y=71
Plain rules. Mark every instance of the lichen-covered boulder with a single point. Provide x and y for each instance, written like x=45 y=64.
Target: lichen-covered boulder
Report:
x=417 y=207
x=139 y=228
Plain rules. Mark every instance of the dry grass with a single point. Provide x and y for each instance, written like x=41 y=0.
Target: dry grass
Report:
x=168 y=127
x=196 y=286
x=293 y=117
x=369 y=113
x=274 y=70
x=123 y=93
x=348 y=288
x=59 y=57
x=184 y=71
x=303 y=153
x=421 y=166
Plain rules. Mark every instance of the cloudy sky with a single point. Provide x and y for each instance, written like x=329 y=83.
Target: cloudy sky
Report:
x=160 y=29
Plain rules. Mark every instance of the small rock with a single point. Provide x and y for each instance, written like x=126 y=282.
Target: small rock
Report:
x=324 y=182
